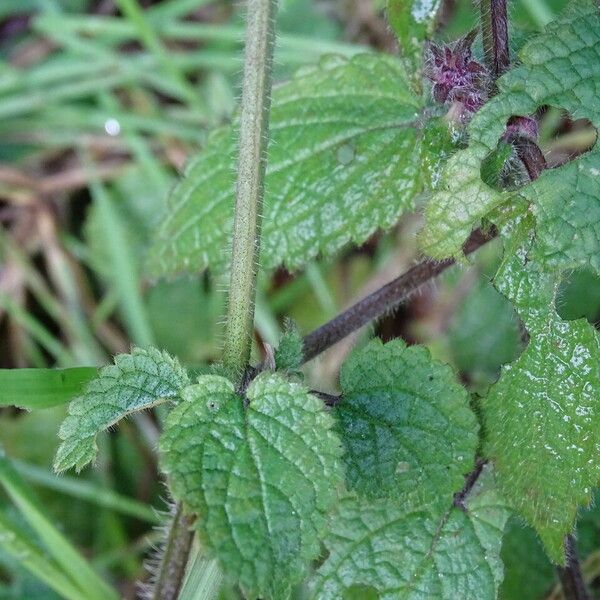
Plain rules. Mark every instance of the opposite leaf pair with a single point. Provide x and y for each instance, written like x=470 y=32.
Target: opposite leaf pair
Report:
x=264 y=475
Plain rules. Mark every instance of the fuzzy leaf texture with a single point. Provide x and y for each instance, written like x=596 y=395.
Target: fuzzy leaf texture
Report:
x=406 y=424
x=344 y=160
x=543 y=416
x=396 y=551
x=136 y=381
x=261 y=477
x=290 y=352
x=560 y=68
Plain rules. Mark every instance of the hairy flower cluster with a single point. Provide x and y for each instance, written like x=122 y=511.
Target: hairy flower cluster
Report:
x=457 y=78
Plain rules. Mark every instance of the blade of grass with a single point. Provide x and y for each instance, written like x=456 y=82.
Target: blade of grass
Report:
x=37 y=331
x=142 y=154
x=76 y=119
x=65 y=276
x=148 y=38
x=321 y=290
x=174 y=8
x=73 y=564
x=117 y=30
x=42 y=388
x=139 y=547
x=33 y=279
x=16 y=543
x=539 y=11
x=265 y=321
x=88 y=491
x=125 y=271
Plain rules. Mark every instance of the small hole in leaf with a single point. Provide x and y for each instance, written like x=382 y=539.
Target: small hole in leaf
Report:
x=563 y=138
x=530 y=143
x=579 y=296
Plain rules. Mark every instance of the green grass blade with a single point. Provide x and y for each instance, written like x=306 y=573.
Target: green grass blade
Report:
x=15 y=542
x=42 y=388
x=125 y=272
x=56 y=544
x=88 y=491
x=36 y=330
x=116 y=30
x=148 y=38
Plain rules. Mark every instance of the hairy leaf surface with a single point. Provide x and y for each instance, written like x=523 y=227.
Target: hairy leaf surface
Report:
x=542 y=417
x=344 y=160
x=405 y=422
x=290 y=352
x=422 y=552
x=560 y=68
x=136 y=381
x=261 y=478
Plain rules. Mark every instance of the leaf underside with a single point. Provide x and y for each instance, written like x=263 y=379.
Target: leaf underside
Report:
x=136 y=381
x=261 y=478
x=344 y=160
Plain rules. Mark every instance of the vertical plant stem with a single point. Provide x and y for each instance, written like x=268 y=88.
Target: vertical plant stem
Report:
x=571 y=577
x=494 y=31
x=253 y=140
x=174 y=558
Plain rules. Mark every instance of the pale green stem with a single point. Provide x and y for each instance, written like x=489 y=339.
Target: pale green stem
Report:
x=204 y=579
x=254 y=127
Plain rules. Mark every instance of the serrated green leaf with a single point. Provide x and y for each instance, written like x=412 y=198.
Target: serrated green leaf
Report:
x=135 y=382
x=413 y=22
x=405 y=422
x=560 y=68
x=416 y=553
x=542 y=416
x=261 y=478
x=460 y=202
x=344 y=160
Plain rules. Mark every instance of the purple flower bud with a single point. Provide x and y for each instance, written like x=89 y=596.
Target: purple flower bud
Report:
x=456 y=77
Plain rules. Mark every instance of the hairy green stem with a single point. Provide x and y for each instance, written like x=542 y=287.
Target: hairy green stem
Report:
x=253 y=141
x=174 y=557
